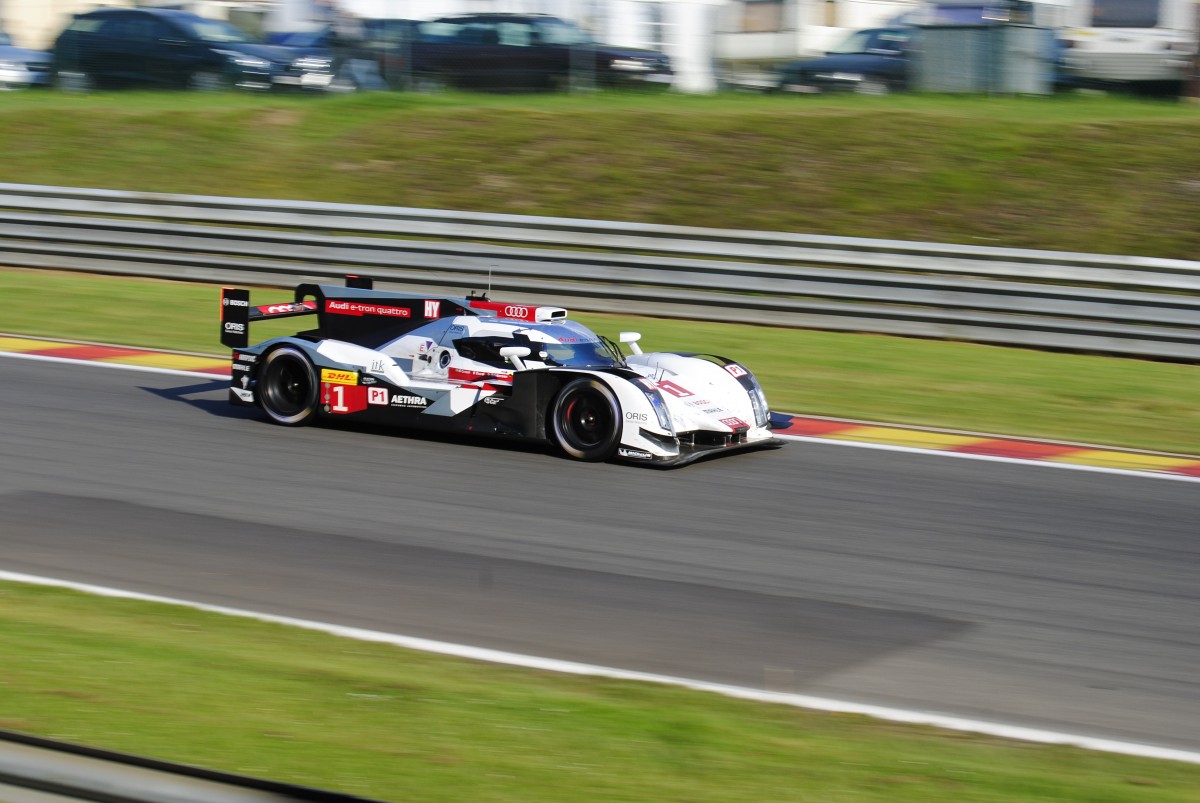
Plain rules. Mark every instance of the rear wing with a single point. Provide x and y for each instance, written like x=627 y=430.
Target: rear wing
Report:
x=237 y=313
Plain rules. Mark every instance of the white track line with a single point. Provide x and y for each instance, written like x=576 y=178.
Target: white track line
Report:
x=1125 y=472
x=574 y=668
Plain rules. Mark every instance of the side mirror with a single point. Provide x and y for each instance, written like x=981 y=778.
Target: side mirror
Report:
x=515 y=355
x=632 y=339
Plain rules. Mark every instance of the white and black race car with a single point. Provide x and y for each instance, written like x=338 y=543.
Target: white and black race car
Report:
x=471 y=365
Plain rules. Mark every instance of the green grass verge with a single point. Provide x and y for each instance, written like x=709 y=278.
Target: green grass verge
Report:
x=1118 y=402
x=1072 y=173
x=378 y=721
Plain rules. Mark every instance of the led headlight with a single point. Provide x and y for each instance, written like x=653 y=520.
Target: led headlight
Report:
x=758 y=400
x=656 y=401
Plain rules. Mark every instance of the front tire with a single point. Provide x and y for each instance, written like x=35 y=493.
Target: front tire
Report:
x=287 y=387
x=586 y=420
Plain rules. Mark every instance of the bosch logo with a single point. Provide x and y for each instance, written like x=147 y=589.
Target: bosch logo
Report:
x=513 y=311
x=234 y=302
x=230 y=326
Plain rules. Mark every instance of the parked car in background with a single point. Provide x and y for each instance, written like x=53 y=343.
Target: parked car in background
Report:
x=161 y=48
x=518 y=51
x=870 y=62
x=21 y=68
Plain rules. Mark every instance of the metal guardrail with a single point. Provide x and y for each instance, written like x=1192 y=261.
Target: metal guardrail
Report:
x=1127 y=305
x=34 y=768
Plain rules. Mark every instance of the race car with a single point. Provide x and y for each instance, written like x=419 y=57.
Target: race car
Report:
x=472 y=365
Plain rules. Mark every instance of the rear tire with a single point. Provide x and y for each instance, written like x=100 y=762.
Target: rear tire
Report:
x=287 y=387
x=586 y=420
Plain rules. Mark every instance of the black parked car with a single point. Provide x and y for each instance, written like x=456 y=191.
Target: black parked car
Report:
x=158 y=47
x=870 y=62
x=20 y=67
x=516 y=51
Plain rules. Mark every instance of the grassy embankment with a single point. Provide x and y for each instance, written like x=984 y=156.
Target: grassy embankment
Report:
x=1055 y=173
x=372 y=720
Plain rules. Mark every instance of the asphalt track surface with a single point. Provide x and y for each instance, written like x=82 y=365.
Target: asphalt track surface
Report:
x=1024 y=594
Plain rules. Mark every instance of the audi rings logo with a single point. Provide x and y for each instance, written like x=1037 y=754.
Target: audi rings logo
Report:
x=514 y=311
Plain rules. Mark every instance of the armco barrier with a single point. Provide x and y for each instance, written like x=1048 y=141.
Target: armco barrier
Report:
x=1087 y=302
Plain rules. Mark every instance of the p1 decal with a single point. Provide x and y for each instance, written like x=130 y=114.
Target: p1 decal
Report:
x=735 y=423
x=377 y=396
x=675 y=390
x=335 y=377
x=736 y=370
x=342 y=399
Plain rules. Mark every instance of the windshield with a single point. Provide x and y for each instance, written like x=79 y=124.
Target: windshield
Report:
x=871 y=42
x=561 y=32
x=219 y=32
x=576 y=346
x=1125 y=13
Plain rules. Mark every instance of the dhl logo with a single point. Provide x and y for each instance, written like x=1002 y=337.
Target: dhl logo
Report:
x=334 y=377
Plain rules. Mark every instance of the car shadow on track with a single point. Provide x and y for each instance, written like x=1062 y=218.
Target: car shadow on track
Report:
x=200 y=396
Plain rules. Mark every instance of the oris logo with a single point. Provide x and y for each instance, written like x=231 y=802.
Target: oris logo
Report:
x=515 y=311
x=641 y=417
x=230 y=326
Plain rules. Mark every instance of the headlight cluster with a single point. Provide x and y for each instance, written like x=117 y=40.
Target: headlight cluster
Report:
x=656 y=401
x=630 y=65
x=758 y=400
x=245 y=60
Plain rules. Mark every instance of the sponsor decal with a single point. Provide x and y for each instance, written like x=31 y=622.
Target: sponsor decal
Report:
x=368 y=380
x=409 y=401
x=244 y=395
x=378 y=366
x=230 y=326
x=279 y=309
x=677 y=391
x=245 y=358
x=712 y=410
x=239 y=367
x=457 y=329
x=466 y=375
x=358 y=310
x=517 y=311
x=433 y=309
x=639 y=417
x=377 y=396
x=234 y=302
x=334 y=377
x=492 y=400
x=343 y=399
x=698 y=402
x=636 y=454
x=734 y=423
x=736 y=370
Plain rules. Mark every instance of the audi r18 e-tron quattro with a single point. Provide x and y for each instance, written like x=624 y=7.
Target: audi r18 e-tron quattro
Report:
x=471 y=365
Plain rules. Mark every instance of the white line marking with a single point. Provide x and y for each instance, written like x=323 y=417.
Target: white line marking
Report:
x=1124 y=472
x=574 y=668
x=888 y=447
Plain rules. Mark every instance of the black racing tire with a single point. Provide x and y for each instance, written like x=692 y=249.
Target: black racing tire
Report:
x=586 y=421
x=287 y=387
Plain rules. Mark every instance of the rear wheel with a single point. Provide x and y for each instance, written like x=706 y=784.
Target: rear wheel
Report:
x=586 y=420
x=287 y=387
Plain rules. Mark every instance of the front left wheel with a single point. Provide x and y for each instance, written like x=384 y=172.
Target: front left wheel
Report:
x=288 y=387
x=586 y=420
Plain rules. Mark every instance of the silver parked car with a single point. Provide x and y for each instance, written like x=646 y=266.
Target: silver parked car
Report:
x=20 y=67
